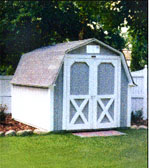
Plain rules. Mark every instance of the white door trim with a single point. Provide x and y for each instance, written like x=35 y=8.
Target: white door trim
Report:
x=114 y=97
x=92 y=90
x=71 y=98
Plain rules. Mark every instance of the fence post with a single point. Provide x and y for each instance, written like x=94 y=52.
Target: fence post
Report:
x=145 y=92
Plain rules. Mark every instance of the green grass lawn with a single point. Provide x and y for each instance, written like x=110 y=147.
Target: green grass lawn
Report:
x=66 y=150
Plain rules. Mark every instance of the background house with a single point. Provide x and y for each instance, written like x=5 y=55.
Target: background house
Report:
x=127 y=54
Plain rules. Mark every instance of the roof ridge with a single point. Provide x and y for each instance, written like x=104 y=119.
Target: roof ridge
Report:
x=75 y=41
x=48 y=46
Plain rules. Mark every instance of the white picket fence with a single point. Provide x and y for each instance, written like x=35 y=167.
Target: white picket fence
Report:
x=5 y=92
x=139 y=93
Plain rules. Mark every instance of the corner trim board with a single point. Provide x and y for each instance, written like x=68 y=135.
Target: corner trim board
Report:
x=64 y=117
x=129 y=107
x=51 y=107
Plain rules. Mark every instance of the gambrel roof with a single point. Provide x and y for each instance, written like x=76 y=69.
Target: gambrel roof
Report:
x=40 y=67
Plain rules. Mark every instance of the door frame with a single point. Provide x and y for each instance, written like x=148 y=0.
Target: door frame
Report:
x=65 y=84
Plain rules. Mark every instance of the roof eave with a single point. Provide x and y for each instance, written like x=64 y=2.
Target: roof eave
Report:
x=30 y=85
x=130 y=78
x=80 y=45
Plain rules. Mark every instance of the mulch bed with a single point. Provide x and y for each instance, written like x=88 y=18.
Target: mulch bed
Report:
x=10 y=124
x=140 y=122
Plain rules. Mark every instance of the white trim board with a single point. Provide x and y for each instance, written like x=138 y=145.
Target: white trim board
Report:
x=87 y=56
x=64 y=117
x=129 y=107
x=51 y=107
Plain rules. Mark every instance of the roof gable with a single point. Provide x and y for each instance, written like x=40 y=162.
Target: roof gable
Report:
x=83 y=50
x=94 y=42
x=40 y=67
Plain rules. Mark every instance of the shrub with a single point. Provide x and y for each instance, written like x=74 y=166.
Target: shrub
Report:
x=2 y=112
x=136 y=116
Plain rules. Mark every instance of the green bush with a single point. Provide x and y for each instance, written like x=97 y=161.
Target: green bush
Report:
x=2 y=112
x=136 y=116
x=6 y=70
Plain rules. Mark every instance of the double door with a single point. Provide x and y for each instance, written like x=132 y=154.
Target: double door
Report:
x=91 y=93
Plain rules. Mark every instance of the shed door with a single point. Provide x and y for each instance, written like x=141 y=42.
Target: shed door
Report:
x=91 y=93
x=78 y=99
x=105 y=110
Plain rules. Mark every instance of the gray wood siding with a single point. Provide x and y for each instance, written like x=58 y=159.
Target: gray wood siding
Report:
x=124 y=96
x=58 y=101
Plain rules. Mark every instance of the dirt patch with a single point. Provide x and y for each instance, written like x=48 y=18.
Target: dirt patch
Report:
x=11 y=124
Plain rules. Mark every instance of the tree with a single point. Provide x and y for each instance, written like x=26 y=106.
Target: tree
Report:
x=27 y=25
x=135 y=13
x=132 y=14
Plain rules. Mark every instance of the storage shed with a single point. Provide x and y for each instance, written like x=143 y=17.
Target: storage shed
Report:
x=75 y=85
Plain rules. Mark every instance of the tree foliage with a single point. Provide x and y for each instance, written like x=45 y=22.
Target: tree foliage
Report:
x=27 y=25
x=132 y=14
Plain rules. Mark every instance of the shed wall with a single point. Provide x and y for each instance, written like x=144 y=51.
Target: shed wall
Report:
x=124 y=97
x=31 y=106
x=58 y=101
x=58 y=97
